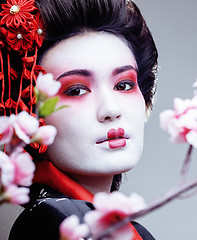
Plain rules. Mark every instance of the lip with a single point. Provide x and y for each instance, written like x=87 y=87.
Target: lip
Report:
x=116 y=138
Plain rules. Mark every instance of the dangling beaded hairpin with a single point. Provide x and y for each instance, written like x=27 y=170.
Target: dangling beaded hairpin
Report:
x=21 y=32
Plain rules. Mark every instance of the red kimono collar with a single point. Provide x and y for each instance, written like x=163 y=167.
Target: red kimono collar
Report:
x=46 y=173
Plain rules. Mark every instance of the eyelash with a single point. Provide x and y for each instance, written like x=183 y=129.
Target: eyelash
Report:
x=124 y=83
x=77 y=88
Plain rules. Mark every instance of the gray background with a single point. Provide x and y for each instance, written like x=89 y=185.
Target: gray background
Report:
x=174 y=27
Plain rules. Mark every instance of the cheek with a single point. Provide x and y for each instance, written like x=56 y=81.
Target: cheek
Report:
x=133 y=99
x=133 y=107
x=77 y=116
x=69 y=102
x=63 y=120
x=139 y=100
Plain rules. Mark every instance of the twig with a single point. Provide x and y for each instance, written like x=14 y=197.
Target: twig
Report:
x=190 y=194
x=186 y=165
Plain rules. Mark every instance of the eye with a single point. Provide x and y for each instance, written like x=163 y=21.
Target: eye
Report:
x=124 y=86
x=77 y=90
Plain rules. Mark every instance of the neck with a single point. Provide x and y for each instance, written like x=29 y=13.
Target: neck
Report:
x=94 y=184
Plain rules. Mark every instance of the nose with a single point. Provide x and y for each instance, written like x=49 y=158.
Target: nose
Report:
x=108 y=108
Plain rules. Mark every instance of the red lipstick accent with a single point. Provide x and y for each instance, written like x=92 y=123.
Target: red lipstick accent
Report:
x=116 y=138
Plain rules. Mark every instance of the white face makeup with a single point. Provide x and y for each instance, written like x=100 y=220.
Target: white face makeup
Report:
x=101 y=133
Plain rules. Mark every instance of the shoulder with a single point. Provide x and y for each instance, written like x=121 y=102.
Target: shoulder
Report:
x=41 y=219
x=144 y=233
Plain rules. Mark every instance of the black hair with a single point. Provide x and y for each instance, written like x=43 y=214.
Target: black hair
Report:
x=66 y=18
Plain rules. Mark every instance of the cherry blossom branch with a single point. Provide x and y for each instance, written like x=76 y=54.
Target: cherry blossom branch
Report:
x=168 y=197
x=17 y=131
x=190 y=194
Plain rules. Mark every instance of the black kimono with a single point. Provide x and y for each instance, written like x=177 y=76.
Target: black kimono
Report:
x=42 y=216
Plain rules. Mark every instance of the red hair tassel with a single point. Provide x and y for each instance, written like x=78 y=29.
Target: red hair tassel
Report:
x=2 y=106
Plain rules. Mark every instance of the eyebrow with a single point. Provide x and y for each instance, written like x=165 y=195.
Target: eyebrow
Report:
x=81 y=72
x=87 y=73
x=123 y=69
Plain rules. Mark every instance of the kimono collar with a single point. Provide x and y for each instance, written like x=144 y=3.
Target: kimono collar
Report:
x=46 y=173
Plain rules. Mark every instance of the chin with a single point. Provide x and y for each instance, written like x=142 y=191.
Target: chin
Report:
x=124 y=165
x=125 y=169
x=113 y=169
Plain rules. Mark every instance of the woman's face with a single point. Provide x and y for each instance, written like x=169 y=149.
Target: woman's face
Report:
x=101 y=132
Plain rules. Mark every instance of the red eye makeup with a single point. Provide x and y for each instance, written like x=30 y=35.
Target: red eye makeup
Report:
x=74 y=86
x=126 y=81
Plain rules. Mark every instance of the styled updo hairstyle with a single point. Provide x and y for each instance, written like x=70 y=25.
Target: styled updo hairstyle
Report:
x=67 y=18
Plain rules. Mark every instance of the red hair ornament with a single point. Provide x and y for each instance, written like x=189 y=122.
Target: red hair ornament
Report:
x=21 y=34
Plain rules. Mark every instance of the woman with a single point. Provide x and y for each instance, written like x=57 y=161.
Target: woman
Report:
x=104 y=56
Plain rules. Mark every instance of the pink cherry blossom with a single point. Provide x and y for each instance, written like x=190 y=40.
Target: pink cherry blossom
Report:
x=192 y=138
x=45 y=135
x=16 y=195
x=110 y=209
x=22 y=125
x=23 y=167
x=16 y=169
x=6 y=129
x=47 y=86
x=181 y=123
x=71 y=229
x=6 y=170
x=25 y=126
